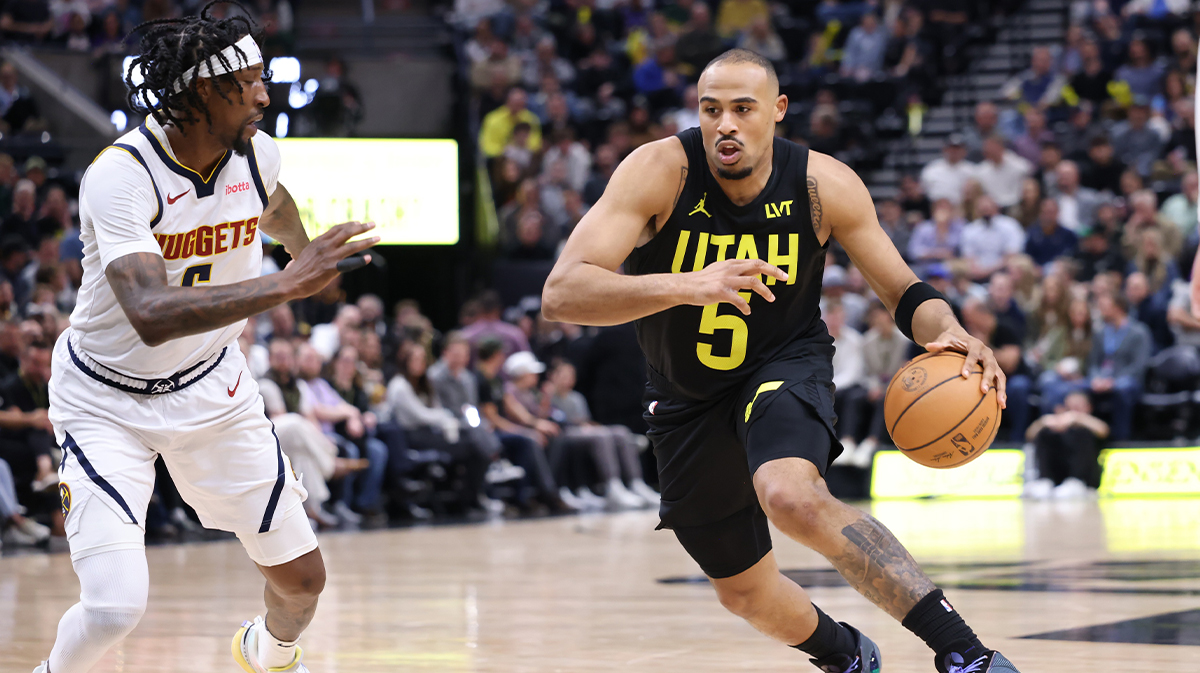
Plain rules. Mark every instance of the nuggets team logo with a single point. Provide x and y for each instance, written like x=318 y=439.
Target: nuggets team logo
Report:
x=64 y=494
x=914 y=379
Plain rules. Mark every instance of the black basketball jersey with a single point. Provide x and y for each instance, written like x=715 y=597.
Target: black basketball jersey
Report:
x=706 y=351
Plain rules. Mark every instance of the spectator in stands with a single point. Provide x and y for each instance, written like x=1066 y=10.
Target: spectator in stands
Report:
x=312 y=455
x=698 y=43
x=762 y=39
x=1040 y=86
x=895 y=224
x=531 y=242
x=945 y=177
x=1181 y=146
x=1144 y=216
x=1002 y=172
x=1030 y=142
x=1049 y=157
x=937 y=239
x=545 y=61
x=1136 y=144
x=76 y=38
x=614 y=447
x=849 y=379
x=1180 y=209
x=26 y=436
x=735 y=17
x=1149 y=308
x=1141 y=72
x=1161 y=270
x=501 y=69
x=862 y=56
x=14 y=257
x=17 y=528
x=658 y=77
x=1067 y=444
x=1116 y=365
x=1076 y=204
x=985 y=125
x=1090 y=83
x=988 y=241
x=913 y=200
x=1001 y=300
x=488 y=325
x=1102 y=170
x=1048 y=240
x=885 y=351
x=497 y=127
x=1028 y=208
x=602 y=170
x=26 y=21
x=1185 y=326
x=1098 y=253
x=524 y=448
x=54 y=217
x=981 y=322
x=23 y=220
x=835 y=286
x=573 y=154
x=1076 y=137
x=413 y=404
x=8 y=180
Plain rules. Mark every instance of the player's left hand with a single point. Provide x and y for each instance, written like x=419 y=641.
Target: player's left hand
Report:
x=977 y=354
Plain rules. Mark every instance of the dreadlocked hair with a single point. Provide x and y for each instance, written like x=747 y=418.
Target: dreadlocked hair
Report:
x=171 y=47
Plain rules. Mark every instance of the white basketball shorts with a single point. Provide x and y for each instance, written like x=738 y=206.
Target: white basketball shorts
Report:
x=209 y=426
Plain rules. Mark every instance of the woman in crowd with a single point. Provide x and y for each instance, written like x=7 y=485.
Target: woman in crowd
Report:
x=413 y=405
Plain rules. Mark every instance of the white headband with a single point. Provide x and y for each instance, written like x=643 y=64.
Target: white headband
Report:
x=214 y=67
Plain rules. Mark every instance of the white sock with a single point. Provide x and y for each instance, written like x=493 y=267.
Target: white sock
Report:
x=112 y=598
x=272 y=652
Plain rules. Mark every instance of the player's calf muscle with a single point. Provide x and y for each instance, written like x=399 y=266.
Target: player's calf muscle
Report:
x=875 y=563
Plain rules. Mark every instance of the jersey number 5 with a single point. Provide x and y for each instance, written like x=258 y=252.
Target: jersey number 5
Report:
x=201 y=273
x=710 y=322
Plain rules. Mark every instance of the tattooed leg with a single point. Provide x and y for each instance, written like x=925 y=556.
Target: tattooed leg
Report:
x=872 y=560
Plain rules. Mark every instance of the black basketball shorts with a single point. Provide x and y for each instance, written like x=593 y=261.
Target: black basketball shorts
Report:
x=708 y=451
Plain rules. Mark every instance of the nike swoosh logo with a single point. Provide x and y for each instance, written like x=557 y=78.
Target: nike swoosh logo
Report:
x=172 y=199
x=233 y=390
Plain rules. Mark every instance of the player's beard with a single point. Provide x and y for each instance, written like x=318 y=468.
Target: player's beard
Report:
x=734 y=174
x=241 y=143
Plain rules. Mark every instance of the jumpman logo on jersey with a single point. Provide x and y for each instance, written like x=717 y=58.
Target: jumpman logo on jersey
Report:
x=700 y=207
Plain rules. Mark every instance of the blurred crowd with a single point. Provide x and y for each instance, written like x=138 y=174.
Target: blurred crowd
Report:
x=99 y=27
x=565 y=90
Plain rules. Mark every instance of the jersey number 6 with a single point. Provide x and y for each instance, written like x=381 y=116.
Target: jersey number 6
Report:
x=201 y=273
x=710 y=322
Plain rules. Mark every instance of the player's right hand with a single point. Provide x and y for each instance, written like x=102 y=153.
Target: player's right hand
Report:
x=721 y=282
x=317 y=264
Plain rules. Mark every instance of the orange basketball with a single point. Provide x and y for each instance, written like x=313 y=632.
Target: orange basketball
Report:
x=935 y=416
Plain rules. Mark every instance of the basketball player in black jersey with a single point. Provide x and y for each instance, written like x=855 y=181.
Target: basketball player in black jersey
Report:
x=723 y=231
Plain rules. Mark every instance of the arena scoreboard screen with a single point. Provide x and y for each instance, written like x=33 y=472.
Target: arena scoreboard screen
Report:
x=409 y=188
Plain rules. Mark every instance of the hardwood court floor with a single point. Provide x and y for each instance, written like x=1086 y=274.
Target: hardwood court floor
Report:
x=583 y=594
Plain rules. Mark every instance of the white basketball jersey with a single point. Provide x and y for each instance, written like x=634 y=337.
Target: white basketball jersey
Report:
x=136 y=198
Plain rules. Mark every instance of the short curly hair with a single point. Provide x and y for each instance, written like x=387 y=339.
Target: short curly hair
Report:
x=171 y=47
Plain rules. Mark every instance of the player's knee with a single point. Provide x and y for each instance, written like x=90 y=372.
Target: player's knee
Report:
x=302 y=581
x=742 y=599
x=798 y=506
x=112 y=622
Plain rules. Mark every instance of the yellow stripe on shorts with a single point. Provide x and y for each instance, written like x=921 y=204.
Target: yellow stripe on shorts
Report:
x=764 y=388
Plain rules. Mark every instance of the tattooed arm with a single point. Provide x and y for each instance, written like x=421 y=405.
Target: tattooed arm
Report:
x=281 y=221
x=585 y=287
x=160 y=312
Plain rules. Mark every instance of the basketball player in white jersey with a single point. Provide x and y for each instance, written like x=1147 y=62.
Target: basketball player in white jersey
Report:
x=170 y=216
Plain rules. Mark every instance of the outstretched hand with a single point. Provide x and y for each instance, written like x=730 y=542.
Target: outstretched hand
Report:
x=977 y=354
x=319 y=263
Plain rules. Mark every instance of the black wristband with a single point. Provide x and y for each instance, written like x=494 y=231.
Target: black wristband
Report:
x=914 y=296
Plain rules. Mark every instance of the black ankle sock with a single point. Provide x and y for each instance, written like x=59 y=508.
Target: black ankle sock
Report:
x=829 y=638
x=936 y=622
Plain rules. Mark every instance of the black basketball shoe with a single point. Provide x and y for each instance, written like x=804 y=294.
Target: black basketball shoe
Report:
x=965 y=660
x=866 y=657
